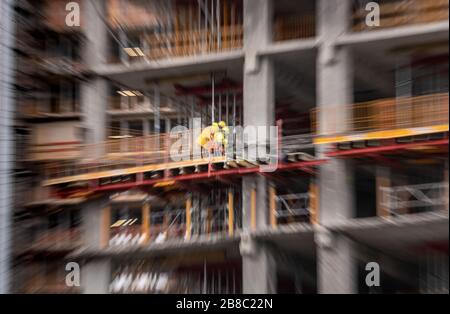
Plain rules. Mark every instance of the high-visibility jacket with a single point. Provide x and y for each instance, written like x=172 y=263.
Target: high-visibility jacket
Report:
x=219 y=135
x=206 y=136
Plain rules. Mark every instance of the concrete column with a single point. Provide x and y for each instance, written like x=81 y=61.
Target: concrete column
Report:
x=336 y=263
x=96 y=276
x=122 y=54
x=168 y=125
x=259 y=87
x=383 y=176
x=260 y=185
x=259 y=266
x=259 y=83
x=334 y=67
x=94 y=92
x=446 y=189
x=6 y=141
x=336 y=266
x=93 y=219
x=336 y=181
x=95 y=273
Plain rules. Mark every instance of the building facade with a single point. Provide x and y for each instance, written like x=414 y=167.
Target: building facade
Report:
x=360 y=102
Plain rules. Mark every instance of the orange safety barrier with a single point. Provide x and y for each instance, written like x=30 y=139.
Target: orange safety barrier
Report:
x=294 y=27
x=129 y=151
x=383 y=114
x=192 y=42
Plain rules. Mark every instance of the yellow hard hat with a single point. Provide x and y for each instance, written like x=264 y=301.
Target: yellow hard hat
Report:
x=222 y=124
x=215 y=127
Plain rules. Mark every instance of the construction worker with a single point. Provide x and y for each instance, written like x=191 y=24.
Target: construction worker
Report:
x=221 y=137
x=206 y=138
x=214 y=138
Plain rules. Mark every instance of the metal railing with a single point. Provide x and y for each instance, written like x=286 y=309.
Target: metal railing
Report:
x=126 y=236
x=158 y=278
x=173 y=226
x=194 y=42
x=429 y=196
x=293 y=206
x=130 y=152
x=294 y=27
x=165 y=29
x=165 y=150
x=403 y=12
x=297 y=143
x=383 y=114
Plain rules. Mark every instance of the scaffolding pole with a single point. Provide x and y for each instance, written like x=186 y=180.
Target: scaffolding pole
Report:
x=273 y=207
x=146 y=222
x=106 y=223
x=253 y=209
x=230 y=213
x=188 y=218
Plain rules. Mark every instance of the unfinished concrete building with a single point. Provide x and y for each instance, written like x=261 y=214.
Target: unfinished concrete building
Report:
x=361 y=110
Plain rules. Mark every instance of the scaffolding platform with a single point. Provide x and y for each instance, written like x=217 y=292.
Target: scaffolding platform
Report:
x=135 y=170
x=382 y=135
x=368 y=149
x=213 y=171
x=383 y=122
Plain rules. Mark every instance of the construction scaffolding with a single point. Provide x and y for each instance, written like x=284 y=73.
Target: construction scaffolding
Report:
x=152 y=176
x=164 y=29
x=149 y=276
x=415 y=198
x=174 y=216
x=382 y=119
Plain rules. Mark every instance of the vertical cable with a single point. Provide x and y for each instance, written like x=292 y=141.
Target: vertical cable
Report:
x=212 y=97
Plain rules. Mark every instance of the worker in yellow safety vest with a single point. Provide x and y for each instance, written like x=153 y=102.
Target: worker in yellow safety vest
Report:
x=214 y=138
